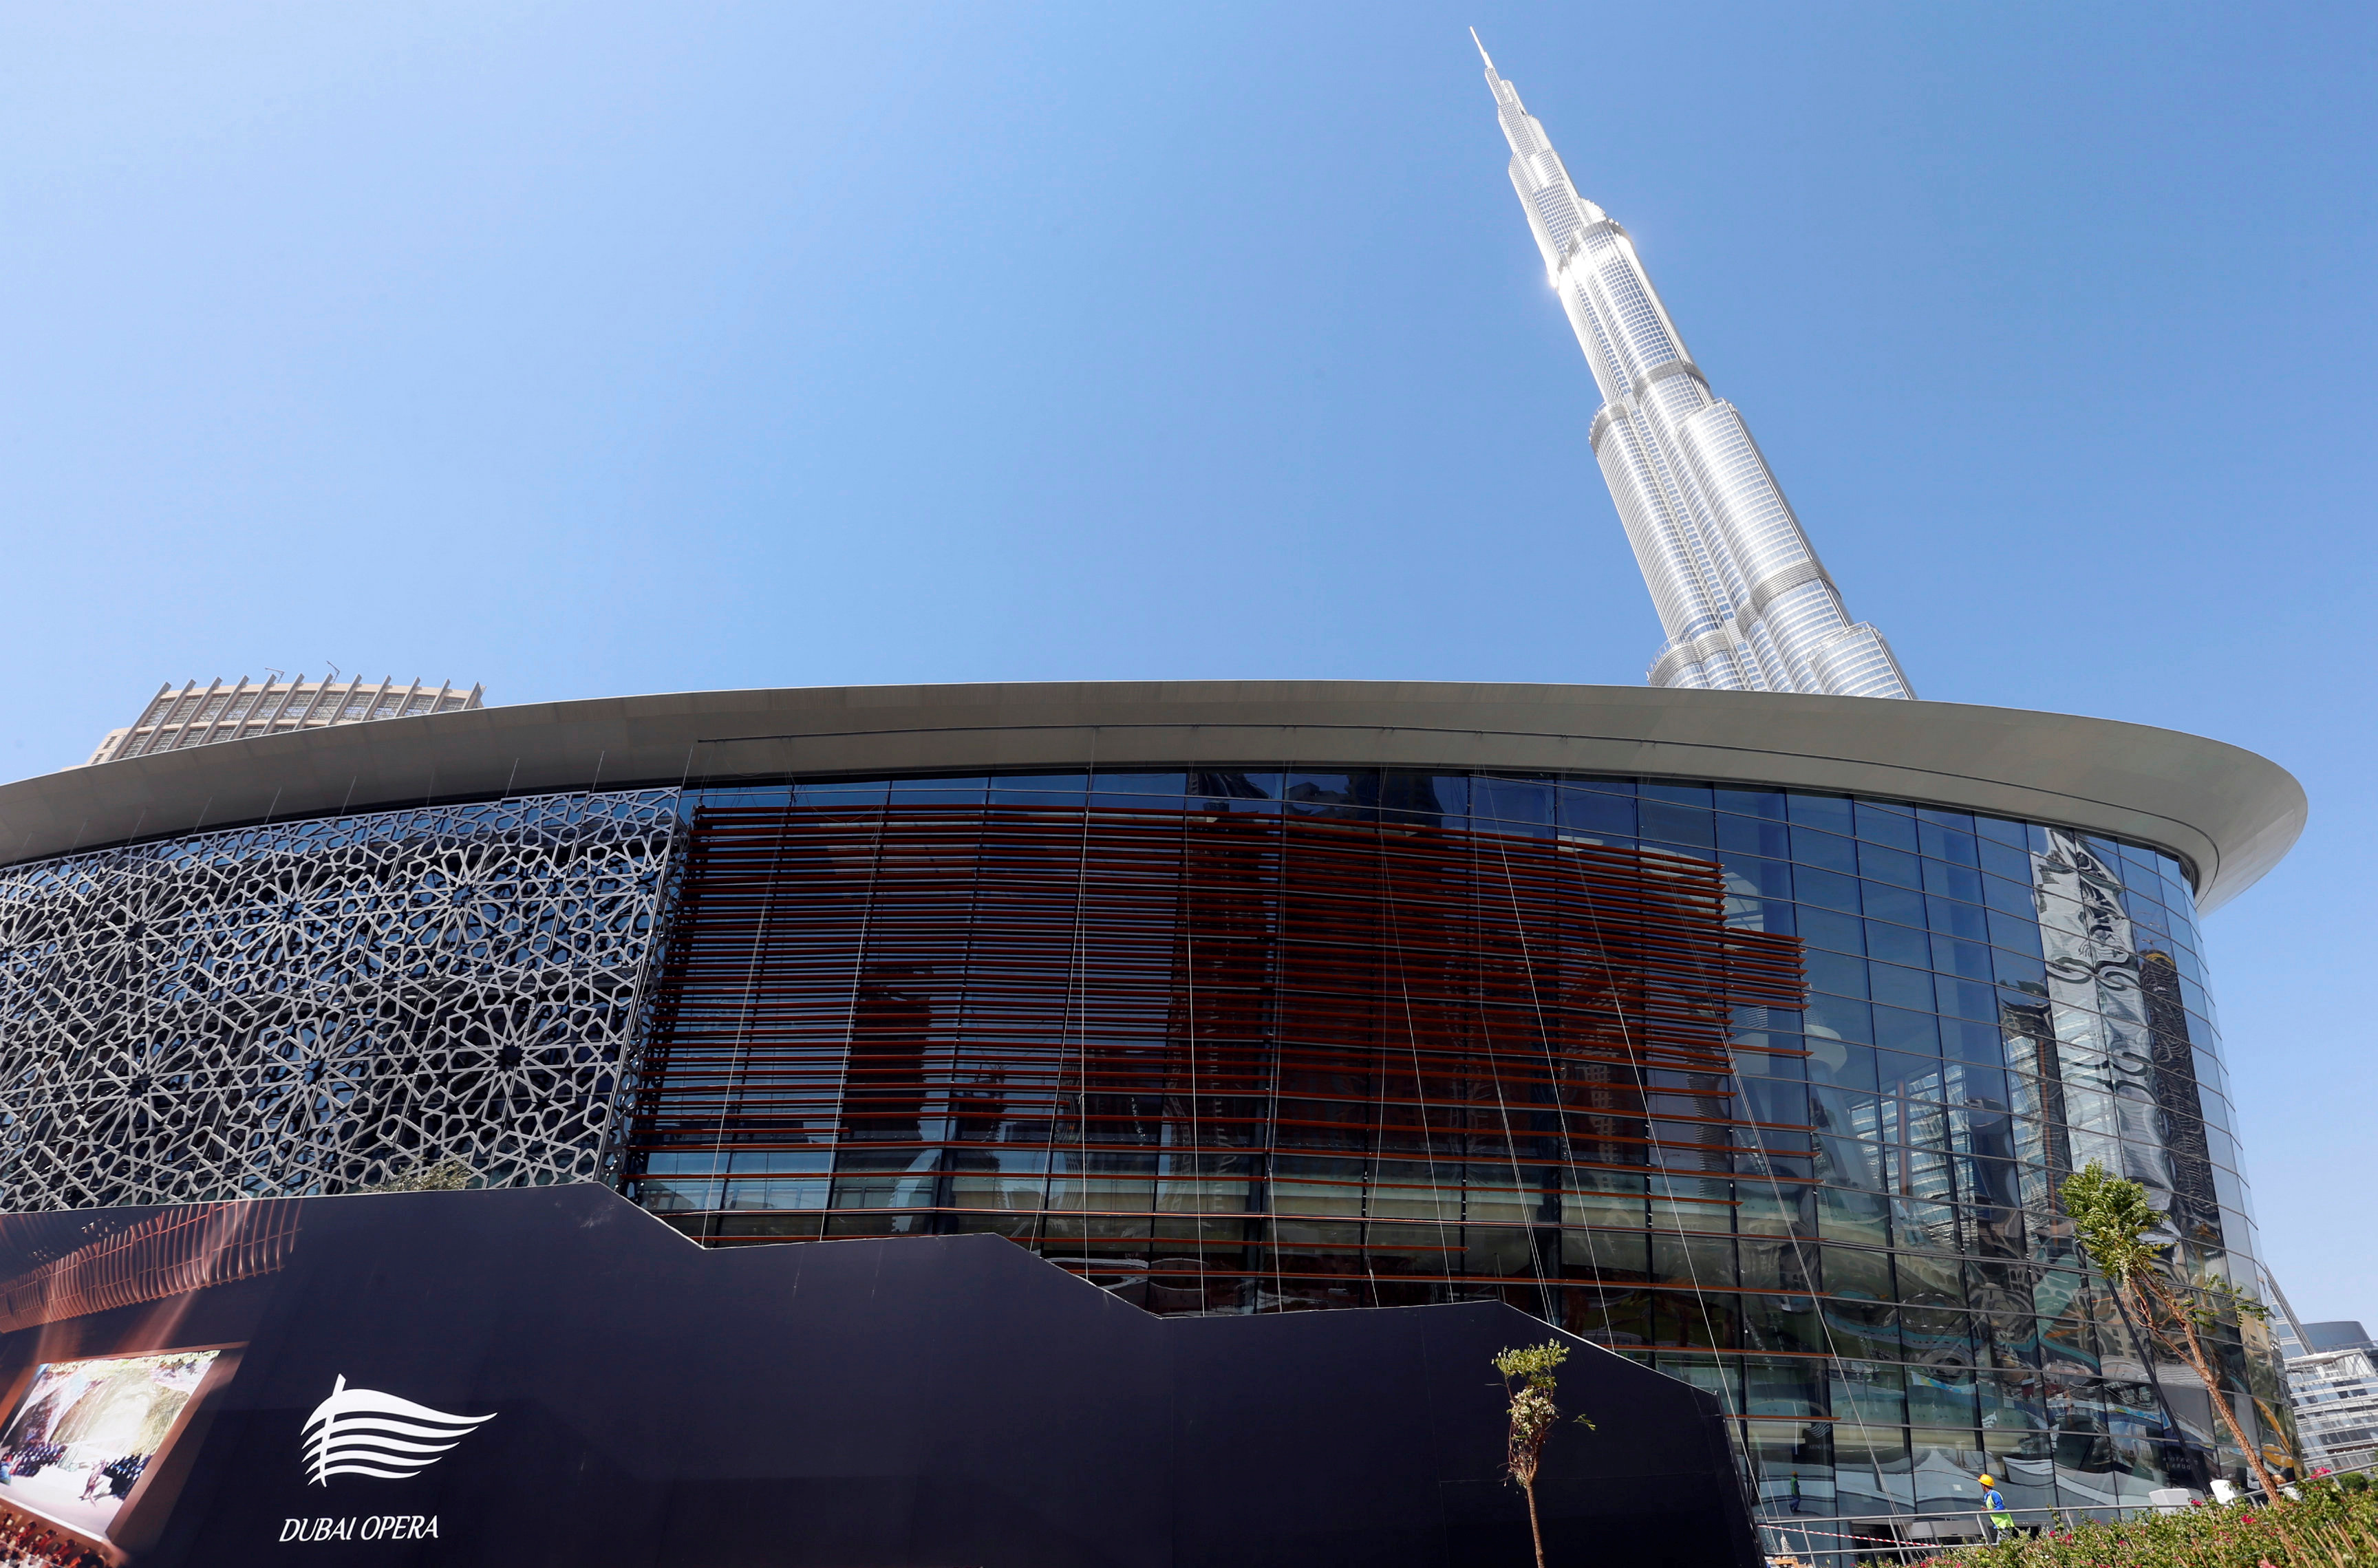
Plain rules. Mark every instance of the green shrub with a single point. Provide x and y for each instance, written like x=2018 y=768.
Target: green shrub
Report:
x=2335 y=1525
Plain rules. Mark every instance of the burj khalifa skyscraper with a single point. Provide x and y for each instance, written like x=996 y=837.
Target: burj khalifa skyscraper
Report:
x=1746 y=604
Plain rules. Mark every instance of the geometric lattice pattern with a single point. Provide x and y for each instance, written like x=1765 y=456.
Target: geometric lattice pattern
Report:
x=314 y=1007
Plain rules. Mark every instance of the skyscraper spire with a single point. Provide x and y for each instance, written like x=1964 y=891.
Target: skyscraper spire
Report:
x=1745 y=603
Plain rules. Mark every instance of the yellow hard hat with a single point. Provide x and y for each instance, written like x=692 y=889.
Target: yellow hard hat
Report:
x=1987 y=1482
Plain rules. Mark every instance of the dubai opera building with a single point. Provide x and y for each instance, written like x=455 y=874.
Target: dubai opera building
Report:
x=1745 y=1033
x=1743 y=1024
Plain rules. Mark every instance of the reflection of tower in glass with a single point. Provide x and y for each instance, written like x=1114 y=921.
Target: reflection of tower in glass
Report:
x=1745 y=603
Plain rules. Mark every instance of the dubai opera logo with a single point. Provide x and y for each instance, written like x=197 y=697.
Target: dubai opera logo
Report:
x=361 y=1431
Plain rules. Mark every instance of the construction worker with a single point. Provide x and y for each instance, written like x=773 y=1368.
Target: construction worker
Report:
x=2000 y=1520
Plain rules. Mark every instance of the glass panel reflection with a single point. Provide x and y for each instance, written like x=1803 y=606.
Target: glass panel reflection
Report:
x=1285 y=1037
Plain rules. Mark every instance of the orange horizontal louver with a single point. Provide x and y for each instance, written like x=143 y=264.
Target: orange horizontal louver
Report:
x=1128 y=1001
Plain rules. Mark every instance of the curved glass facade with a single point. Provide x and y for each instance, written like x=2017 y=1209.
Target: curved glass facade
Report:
x=1768 y=1088
x=945 y=1004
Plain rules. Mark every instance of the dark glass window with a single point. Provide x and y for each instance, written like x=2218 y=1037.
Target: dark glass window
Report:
x=1900 y=1029
x=1829 y=928
x=1500 y=803
x=1829 y=851
x=1988 y=1180
x=1784 y=1323
x=1901 y=988
x=739 y=799
x=841 y=792
x=1927 y=1281
x=1593 y=811
x=2010 y=898
x=2011 y=861
x=1620 y=1256
x=1831 y=812
x=1998 y=829
x=1909 y=1076
x=1848 y=1064
x=1762 y=914
x=1770 y=1099
x=1967 y=999
x=1126 y=782
x=1422 y=800
x=1035 y=789
x=1829 y=890
x=1766 y=803
x=1944 y=839
x=1324 y=795
x=1753 y=878
x=1882 y=864
x=1841 y=1111
x=1677 y=824
x=2014 y=933
x=1837 y=973
x=1840 y=1017
x=1882 y=901
x=1770 y=1053
x=1953 y=955
x=1867 y=1330
x=1976 y=1043
x=1955 y=881
x=1754 y=837
x=1868 y=1394
x=1227 y=791
x=2020 y=969
x=1786 y=1266
x=1706 y=1260
x=1898 y=944
x=1782 y=1386
x=1885 y=825
x=1855 y=1272
x=1969 y=922
x=1616 y=1318
x=1859 y=1217
x=1942 y=1395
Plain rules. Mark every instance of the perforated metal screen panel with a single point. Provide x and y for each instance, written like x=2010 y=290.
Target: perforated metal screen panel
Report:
x=317 y=1006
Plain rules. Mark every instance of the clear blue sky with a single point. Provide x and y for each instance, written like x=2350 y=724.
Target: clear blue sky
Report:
x=593 y=348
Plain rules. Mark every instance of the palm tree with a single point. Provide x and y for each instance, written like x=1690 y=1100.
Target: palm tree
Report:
x=2113 y=1216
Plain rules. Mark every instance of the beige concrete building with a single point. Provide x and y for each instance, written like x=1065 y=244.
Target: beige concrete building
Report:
x=196 y=716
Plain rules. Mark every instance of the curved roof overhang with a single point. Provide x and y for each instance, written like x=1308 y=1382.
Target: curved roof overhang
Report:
x=2228 y=812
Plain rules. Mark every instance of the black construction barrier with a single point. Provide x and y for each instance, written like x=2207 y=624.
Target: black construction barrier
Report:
x=548 y=1376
